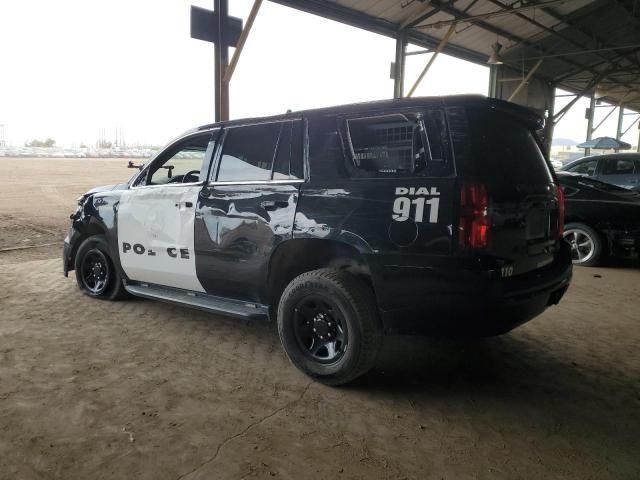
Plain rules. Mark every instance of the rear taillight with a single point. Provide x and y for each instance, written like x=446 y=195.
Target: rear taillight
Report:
x=473 y=227
x=560 y=211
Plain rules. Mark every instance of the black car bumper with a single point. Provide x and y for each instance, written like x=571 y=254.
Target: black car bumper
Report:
x=476 y=303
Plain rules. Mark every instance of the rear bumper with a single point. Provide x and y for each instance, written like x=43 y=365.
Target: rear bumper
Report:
x=477 y=303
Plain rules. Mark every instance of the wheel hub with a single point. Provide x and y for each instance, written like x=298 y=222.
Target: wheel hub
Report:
x=582 y=246
x=323 y=327
x=319 y=331
x=97 y=270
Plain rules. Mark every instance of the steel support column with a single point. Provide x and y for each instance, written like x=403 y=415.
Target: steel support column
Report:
x=549 y=126
x=620 y=119
x=592 y=111
x=221 y=63
x=398 y=71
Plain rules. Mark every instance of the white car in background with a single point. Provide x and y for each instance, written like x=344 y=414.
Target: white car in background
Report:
x=556 y=164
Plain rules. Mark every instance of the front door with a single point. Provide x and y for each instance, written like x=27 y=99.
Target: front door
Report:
x=249 y=208
x=156 y=216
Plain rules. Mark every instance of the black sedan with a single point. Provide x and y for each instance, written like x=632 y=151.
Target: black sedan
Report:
x=600 y=219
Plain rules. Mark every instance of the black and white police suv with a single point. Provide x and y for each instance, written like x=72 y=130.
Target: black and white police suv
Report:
x=413 y=216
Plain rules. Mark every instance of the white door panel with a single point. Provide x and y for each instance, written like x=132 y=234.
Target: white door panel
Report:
x=156 y=235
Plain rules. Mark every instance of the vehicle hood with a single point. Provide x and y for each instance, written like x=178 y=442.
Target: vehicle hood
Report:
x=107 y=188
x=101 y=189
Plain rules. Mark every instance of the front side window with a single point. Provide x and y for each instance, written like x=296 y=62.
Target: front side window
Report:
x=398 y=144
x=587 y=168
x=617 y=166
x=182 y=164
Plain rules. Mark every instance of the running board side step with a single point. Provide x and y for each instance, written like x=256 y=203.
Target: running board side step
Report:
x=200 y=301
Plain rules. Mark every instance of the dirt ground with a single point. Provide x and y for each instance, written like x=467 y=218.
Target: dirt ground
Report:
x=143 y=390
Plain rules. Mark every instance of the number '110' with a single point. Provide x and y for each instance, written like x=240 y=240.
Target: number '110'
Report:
x=402 y=209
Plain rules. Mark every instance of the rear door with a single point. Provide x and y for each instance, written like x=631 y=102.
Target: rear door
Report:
x=248 y=207
x=401 y=176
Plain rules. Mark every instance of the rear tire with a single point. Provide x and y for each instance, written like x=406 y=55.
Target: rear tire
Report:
x=586 y=244
x=328 y=325
x=95 y=272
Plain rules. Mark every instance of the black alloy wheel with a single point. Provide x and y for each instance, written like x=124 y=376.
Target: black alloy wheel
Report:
x=329 y=325
x=95 y=272
x=586 y=245
x=319 y=329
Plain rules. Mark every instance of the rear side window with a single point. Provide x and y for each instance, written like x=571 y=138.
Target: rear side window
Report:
x=438 y=138
x=262 y=152
x=288 y=162
x=617 y=166
x=505 y=148
x=398 y=144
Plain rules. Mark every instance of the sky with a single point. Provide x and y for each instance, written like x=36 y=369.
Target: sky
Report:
x=69 y=68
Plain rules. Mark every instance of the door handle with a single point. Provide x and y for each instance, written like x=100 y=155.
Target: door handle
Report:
x=273 y=204
x=186 y=204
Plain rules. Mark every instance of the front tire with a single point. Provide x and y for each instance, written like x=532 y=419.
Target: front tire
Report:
x=586 y=245
x=95 y=272
x=328 y=325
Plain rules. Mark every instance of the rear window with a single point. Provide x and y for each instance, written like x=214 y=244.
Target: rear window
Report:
x=505 y=148
x=617 y=166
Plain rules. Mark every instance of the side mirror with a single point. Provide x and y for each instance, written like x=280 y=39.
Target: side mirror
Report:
x=133 y=165
x=170 y=170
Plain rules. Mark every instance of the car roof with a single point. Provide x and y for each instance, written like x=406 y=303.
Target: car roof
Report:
x=527 y=115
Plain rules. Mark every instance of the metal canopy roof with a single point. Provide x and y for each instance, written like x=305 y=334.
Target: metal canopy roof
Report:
x=577 y=40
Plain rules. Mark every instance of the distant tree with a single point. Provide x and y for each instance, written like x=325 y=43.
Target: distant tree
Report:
x=49 y=142
x=82 y=145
